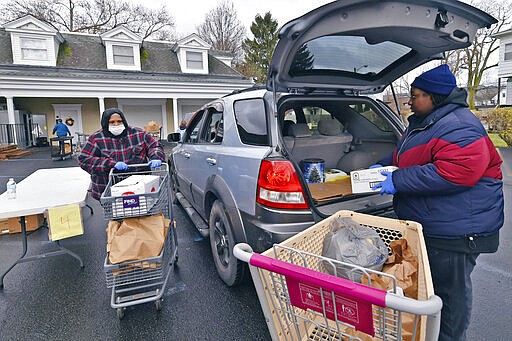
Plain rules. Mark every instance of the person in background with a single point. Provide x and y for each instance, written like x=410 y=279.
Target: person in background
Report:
x=61 y=130
x=449 y=180
x=182 y=128
x=117 y=145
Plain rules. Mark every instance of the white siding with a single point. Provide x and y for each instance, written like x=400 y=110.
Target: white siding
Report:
x=504 y=66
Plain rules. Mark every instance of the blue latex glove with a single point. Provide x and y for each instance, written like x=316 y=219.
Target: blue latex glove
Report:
x=386 y=186
x=154 y=163
x=120 y=165
x=375 y=166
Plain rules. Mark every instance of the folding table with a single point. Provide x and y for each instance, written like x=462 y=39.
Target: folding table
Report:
x=43 y=189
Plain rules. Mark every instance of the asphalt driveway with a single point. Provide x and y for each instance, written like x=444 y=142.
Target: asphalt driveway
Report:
x=52 y=299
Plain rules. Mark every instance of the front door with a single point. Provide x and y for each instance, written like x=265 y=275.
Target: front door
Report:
x=71 y=115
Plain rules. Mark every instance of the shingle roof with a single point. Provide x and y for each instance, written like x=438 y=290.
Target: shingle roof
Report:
x=85 y=54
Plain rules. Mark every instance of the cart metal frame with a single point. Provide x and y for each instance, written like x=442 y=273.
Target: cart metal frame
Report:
x=144 y=280
x=303 y=299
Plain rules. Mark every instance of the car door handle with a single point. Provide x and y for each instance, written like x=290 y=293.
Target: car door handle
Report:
x=211 y=161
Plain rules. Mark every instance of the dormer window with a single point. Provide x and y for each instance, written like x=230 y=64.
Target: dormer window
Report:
x=33 y=42
x=194 y=60
x=123 y=55
x=192 y=52
x=33 y=48
x=122 y=49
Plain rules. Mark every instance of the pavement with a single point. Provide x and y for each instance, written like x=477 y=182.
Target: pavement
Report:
x=53 y=299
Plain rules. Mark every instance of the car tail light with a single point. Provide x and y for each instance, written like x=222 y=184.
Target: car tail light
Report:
x=279 y=185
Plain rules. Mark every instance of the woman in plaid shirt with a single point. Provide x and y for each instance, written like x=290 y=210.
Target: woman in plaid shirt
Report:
x=115 y=146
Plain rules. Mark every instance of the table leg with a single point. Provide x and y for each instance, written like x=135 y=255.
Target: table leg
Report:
x=24 y=241
x=62 y=251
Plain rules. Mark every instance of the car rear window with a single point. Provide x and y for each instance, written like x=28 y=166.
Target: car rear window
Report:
x=251 y=121
x=369 y=113
x=346 y=54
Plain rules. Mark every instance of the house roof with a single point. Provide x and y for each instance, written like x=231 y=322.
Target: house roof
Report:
x=82 y=54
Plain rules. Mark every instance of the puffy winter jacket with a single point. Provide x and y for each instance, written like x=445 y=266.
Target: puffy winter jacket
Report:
x=449 y=176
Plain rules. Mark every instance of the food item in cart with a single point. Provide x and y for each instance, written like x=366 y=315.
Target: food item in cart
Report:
x=136 y=238
x=349 y=242
x=135 y=184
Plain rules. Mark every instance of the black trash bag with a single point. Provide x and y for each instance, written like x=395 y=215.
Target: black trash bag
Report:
x=352 y=243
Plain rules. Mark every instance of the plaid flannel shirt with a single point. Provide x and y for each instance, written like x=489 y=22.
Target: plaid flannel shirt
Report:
x=100 y=154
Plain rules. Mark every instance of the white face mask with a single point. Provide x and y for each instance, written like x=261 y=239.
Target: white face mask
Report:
x=116 y=130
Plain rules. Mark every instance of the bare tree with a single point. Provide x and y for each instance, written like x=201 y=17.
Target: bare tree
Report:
x=93 y=16
x=223 y=30
x=474 y=61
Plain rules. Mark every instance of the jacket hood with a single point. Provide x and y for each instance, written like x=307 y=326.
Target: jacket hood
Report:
x=105 y=117
x=456 y=98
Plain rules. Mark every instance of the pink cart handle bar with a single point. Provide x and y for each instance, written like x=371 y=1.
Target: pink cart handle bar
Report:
x=323 y=280
x=432 y=306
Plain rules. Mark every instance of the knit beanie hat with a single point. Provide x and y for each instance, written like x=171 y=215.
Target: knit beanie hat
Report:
x=439 y=80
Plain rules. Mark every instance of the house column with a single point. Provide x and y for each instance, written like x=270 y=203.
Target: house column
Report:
x=175 y=114
x=101 y=101
x=164 y=119
x=11 y=120
x=10 y=110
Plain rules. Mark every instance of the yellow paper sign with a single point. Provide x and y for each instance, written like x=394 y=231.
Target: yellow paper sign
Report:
x=65 y=221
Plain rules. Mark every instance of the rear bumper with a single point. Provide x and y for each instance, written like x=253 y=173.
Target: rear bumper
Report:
x=270 y=226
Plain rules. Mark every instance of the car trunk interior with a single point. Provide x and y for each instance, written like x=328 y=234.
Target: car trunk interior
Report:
x=327 y=137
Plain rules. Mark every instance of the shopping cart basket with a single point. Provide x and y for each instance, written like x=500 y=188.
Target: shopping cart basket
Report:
x=126 y=206
x=302 y=302
x=144 y=280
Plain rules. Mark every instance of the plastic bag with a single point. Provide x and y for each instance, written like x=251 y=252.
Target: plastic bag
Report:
x=352 y=243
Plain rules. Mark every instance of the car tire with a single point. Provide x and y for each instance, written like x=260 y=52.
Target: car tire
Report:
x=222 y=240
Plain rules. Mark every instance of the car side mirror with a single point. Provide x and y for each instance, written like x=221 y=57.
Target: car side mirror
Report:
x=174 y=137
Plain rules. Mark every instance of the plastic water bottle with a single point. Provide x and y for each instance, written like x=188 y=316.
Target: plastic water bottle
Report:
x=11 y=189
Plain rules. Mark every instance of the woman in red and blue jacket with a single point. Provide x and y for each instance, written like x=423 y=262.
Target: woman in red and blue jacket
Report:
x=449 y=180
x=116 y=145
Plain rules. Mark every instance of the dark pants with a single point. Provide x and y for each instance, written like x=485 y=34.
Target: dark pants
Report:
x=451 y=274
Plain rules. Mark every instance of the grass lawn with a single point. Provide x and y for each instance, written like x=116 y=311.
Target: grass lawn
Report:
x=496 y=139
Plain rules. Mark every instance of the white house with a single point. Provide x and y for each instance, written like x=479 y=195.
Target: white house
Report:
x=46 y=74
x=505 y=65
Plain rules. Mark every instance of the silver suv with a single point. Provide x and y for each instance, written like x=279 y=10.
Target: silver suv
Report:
x=242 y=170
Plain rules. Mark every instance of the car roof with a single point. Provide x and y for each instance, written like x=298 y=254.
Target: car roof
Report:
x=363 y=45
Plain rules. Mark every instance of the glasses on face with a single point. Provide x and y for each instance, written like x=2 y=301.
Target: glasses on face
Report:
x=414 y=97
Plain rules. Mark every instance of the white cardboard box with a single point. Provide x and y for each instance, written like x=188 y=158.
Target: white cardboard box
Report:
x=135 y=184
x=363 y=180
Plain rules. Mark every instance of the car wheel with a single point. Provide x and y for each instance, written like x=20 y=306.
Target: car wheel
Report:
x=229 y=268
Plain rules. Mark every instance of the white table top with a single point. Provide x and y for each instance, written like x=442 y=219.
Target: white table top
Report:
x=46 y=188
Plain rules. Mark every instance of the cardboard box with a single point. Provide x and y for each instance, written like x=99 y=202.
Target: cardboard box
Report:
x=12 y=225
x=363 y=180
x=136 y=184
x=326 y=191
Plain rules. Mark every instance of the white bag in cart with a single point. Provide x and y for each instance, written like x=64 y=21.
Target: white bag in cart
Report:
x=132 y=201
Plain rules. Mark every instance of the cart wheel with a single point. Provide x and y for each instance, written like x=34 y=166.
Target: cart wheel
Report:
x=158 y=304
x=120 y=313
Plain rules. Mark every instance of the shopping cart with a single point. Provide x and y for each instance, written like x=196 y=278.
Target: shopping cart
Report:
x=80 y=141
x=143 y=280
x=301 y=301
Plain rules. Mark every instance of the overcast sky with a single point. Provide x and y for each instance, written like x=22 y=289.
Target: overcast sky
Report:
x=188 y=14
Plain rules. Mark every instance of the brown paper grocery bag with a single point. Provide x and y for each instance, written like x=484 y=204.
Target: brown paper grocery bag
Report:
x=136 y=238
x=403 y=264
